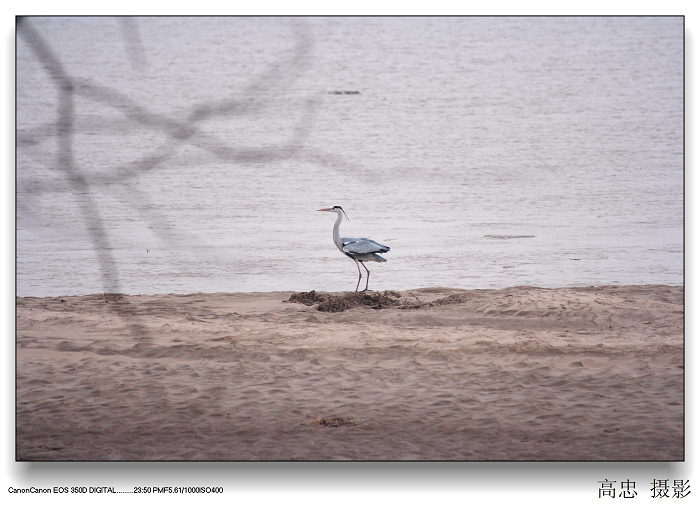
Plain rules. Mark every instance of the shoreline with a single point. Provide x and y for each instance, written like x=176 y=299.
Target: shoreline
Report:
x=447 y=289
x=523 y=373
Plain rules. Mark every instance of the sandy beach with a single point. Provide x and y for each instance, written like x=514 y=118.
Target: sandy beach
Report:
x=521 y=373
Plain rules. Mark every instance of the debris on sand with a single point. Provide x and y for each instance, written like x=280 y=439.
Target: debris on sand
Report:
x=308 y=298
x=384 y=300
x=448 y=300
x=348 y=301
x=339 y=303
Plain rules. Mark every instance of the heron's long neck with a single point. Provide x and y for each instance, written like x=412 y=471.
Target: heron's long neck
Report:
x=336 y=231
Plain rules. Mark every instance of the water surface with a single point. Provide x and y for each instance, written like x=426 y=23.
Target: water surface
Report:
x=178 y=155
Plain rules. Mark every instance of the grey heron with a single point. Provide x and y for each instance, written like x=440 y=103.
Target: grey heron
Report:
x=357 y=249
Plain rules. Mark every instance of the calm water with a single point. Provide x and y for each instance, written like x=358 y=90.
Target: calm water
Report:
x=177 y=155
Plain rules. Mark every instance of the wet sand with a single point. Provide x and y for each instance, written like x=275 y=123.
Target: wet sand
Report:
x=430 y=374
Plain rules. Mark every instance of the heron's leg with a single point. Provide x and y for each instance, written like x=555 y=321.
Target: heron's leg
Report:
x=359 y=272
x=366 y=285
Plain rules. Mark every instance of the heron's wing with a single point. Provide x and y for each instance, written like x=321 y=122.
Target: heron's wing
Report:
x=362 y=246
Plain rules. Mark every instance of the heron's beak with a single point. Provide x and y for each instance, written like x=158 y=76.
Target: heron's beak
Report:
x=325 y=210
